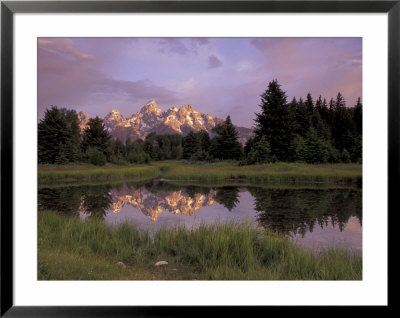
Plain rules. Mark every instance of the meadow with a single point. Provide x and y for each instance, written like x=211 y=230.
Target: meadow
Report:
x=80 y=172
x=205 y=172
x=72 y=249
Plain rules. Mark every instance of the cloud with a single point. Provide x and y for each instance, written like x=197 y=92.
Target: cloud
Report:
x=188 y=84
x=318 y=65
x=98 y=74
x=356 y=61
x=64 y=46
x=181 y=46
x=214 y=62
x=200 y=41
x=173 y=45
x=82 y=86
x=244 y=66
x=133 y=90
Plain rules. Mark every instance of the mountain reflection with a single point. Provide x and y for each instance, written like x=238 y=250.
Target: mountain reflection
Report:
x=288 y=211
x=152 y=203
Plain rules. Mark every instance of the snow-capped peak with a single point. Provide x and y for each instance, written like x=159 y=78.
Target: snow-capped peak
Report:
x=114 y=115
x=151 y=107
x=186 y=108
x=150 y=118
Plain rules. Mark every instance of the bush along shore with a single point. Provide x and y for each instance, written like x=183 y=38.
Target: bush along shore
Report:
x=72 y=249
x=205 y=172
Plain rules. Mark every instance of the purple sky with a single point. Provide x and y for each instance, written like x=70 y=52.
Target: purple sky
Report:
x=219 y=76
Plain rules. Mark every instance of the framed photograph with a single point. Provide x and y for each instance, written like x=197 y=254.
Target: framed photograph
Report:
x=161 y=155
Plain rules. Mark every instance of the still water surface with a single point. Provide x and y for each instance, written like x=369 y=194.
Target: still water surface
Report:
x=313 y=217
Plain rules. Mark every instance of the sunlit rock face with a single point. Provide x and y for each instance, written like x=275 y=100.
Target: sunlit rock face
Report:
x=116 y=207
x=112 y=119
x=83 y=119
x=153 y=204
x=151 y=118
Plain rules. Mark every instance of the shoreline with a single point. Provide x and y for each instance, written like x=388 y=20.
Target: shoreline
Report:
x=70 y=248
x=205 y=172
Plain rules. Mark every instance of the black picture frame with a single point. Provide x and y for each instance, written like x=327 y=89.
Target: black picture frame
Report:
x=8 y=8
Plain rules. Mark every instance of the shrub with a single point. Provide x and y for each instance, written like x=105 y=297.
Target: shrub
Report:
x=345 y=156
x=118 y=160
x=200 y=155
x=96 y=157
x=138 y=157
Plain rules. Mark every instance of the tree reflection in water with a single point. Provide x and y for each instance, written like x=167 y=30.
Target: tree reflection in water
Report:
x=286 y=211
x=93 y=200
x=299 y=211
x=228 y=197
x=96 y=201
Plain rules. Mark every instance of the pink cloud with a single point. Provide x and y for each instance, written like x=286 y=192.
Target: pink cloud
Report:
x=64 y=46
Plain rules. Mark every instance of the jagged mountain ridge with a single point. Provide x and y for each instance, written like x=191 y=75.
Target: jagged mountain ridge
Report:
x=153 y=204
x=150 y=119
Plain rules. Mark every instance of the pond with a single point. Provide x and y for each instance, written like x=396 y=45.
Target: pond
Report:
x=314 y=217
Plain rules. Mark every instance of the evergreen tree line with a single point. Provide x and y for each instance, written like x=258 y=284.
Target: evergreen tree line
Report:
x=304 y=130
x=60 y=142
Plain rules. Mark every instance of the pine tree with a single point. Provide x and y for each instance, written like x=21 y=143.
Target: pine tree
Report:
x=345 y=156
x=263 y=150
x=309 y=104
x=340 y=102
x=204 y=139
x=249 y=146
x=317 y=148
x=275 y=121
x=58 y=136
x=322 y=108
x=302 y=119
x=331 y=112
x=148 y=146
x=191 y=144
x=96 y=136
x=226 y=144
x=320 y=126
x=299 y=149
x=96 y=157
x=118 y=148
x=357 y=115
x=342 y=124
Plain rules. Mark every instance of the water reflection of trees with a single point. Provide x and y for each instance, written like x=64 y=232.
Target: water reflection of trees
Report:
x=228 y=197
x=299 y=211
x=283 y=210
x=66 y=200
x=95 y=200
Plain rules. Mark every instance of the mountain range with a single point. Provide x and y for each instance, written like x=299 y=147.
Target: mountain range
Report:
x=150 y=119
x=152 y=204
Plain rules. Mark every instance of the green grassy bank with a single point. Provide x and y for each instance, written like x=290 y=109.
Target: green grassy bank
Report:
x=69 y=249
x=265 y=173
x=205 y=172
x=88 y=172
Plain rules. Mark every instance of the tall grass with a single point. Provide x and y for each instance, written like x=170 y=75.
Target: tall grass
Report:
x=86 y=172
x=73 y=249
x=264 y=173
x=205 y=172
